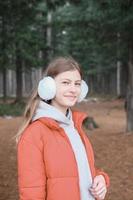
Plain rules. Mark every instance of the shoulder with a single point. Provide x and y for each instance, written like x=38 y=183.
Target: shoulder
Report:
x=79 y=116
x=34 y=133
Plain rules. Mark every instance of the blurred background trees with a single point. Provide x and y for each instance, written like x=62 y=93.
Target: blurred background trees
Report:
x=98 y=34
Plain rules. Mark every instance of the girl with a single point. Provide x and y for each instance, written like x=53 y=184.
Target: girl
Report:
x=55 y=157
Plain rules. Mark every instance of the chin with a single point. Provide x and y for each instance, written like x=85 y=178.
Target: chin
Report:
x=70 y=104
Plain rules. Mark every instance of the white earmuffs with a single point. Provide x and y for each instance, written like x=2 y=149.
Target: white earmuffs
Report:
x=84 y=91
x=47 y=89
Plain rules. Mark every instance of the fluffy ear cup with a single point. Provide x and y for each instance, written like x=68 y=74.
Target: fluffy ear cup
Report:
x=84 y=91
x=47 y=88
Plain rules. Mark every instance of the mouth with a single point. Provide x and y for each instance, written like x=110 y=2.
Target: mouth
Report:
x=71 y=97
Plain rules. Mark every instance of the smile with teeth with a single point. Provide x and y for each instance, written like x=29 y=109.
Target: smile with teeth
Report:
x=71 y=97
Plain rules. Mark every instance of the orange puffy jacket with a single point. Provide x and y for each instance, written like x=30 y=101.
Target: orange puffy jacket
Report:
x=47 y=168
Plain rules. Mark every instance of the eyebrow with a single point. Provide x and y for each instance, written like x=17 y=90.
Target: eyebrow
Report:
x=66 y=79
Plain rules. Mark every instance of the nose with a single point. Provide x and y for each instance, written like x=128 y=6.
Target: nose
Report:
x=73 y=88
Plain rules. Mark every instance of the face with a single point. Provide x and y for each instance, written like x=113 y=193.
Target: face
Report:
x=68 y=86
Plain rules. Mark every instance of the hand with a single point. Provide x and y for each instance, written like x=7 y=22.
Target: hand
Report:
x=98 y=189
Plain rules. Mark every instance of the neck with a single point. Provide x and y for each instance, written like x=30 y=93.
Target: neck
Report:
x=61 y=108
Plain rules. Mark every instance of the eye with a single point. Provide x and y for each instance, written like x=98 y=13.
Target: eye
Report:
x=78 y=84
x=65 y=83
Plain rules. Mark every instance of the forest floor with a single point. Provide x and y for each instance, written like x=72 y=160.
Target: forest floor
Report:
x=113 y=149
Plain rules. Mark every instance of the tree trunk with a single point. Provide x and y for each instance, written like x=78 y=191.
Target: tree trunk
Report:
x=4 y=58
x=49 y=35
x=18 y=76
x=118 y=66
x=129 y=101
x=118 y=78
x=4 y=71
x=124 y=79
x=47 y=53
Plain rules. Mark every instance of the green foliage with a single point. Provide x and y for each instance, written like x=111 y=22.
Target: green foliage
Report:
x=18 y=32
x=7 y=109
x=87 y=30
x=80 y=38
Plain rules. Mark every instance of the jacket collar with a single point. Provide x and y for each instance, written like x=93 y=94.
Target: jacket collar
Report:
x=78 y=118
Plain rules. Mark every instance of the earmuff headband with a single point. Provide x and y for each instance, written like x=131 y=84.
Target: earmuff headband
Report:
x=47 y=89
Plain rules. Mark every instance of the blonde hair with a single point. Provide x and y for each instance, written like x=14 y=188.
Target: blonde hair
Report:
x=57 y=66
x=28 y=113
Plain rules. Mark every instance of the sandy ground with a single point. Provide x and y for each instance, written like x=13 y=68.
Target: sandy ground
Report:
x=112 y=145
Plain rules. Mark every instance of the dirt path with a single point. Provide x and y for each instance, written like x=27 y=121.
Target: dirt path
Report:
x=113 y=150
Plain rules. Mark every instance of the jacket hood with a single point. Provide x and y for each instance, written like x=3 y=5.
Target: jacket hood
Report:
x=49 y=111
x=55 y=117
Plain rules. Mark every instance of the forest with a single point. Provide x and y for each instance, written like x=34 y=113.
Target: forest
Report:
x=99 y=35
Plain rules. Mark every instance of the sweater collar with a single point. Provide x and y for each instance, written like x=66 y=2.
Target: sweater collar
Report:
x=53 y=118
x=49 y=111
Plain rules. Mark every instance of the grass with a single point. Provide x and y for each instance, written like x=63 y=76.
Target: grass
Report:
x=11 y=109
x=16 y=109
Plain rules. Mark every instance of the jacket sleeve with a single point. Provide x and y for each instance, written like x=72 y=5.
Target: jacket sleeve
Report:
x=31 y=170
x=91 y=154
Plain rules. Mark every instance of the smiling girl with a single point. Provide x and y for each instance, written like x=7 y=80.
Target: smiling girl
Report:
x=55 y=157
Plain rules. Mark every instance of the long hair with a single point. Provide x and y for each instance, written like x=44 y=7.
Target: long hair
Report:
x=55 y=67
